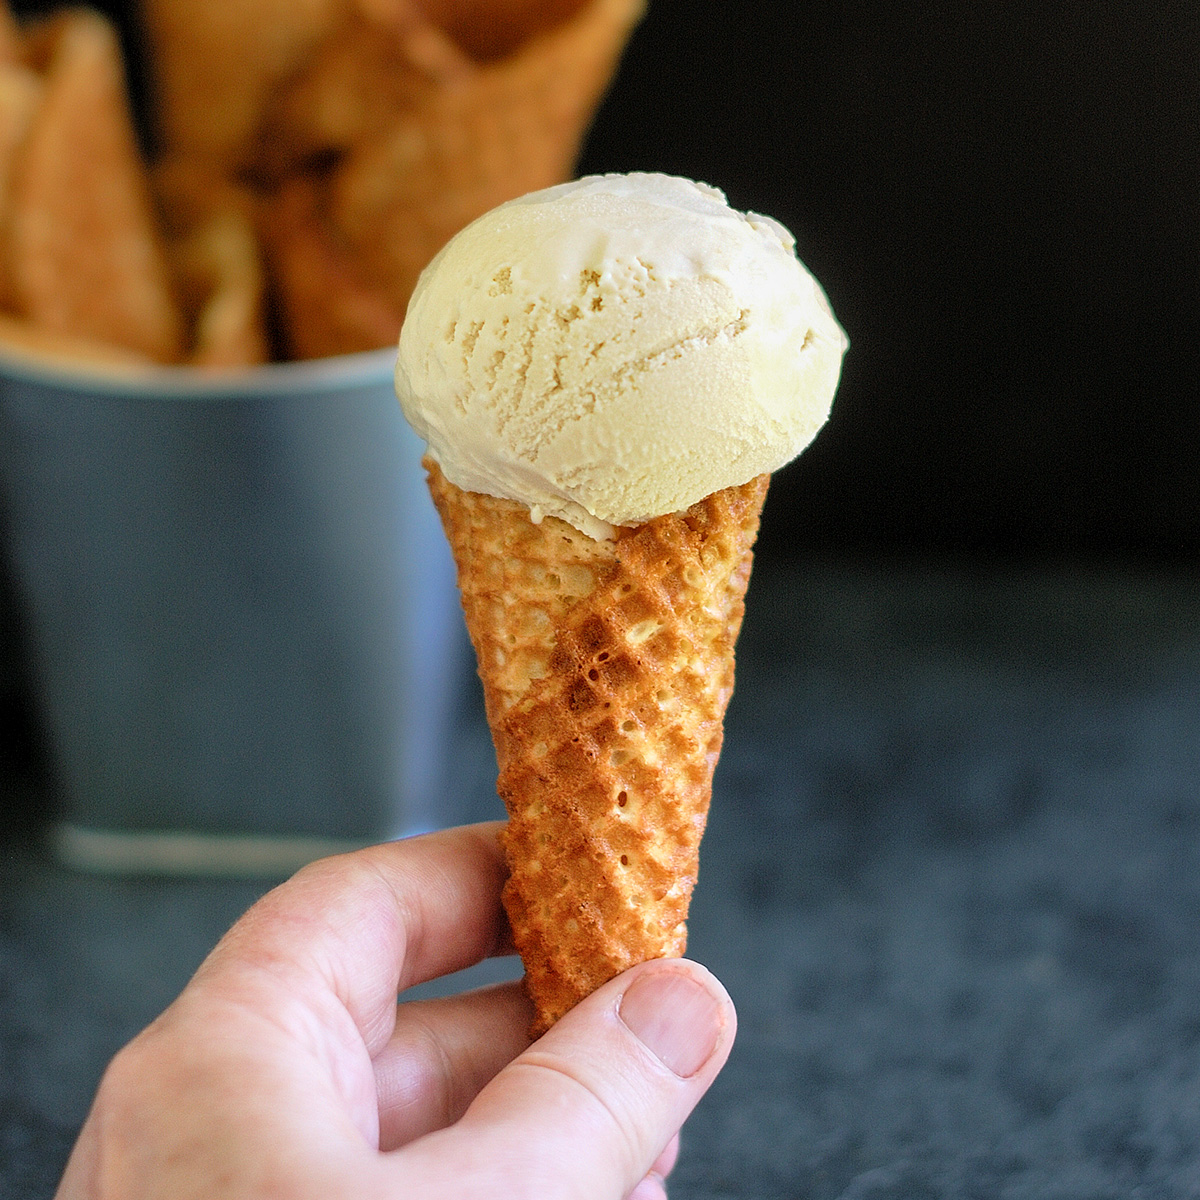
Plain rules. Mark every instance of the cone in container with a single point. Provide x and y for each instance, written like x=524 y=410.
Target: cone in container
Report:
x=86 y=261
x=606 y=373
x=405 y=125
x=474 y=136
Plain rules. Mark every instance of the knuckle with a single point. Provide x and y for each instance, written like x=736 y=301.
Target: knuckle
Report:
x=616 y=1116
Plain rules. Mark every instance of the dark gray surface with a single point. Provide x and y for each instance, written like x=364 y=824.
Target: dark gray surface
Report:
x=950 y=879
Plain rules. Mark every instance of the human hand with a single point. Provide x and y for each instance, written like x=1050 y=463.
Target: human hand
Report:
x=286 y=1069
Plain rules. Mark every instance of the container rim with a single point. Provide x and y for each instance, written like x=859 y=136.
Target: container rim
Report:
x=318 y=376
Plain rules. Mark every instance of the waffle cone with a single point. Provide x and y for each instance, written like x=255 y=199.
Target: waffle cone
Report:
x=86 y=257
x=325 y=305
x=473 y=138
x=607 y=668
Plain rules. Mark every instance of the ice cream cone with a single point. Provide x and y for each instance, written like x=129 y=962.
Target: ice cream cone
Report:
x=87 y=259
x=20 y=95
x=605 y=374
x=324 y=306
x=607 y=667
x=209 y=226
x=491 y=132
x=217 y=63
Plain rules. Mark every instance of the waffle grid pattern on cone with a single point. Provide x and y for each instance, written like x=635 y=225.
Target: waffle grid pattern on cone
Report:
x=607 y=668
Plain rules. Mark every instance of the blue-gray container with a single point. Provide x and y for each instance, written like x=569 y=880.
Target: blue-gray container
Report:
x=241 y=611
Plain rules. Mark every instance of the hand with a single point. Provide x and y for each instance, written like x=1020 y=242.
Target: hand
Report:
x=287 y=1070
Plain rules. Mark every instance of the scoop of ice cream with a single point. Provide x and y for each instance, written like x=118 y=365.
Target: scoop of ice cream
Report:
x=615 y=349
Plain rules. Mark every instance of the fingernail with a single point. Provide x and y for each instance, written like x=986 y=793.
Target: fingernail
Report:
x=676 y=1017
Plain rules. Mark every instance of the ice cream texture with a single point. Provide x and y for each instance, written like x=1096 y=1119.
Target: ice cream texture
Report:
x=615 y=349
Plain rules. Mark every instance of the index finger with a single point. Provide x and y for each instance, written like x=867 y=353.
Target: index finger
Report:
x=366 y=925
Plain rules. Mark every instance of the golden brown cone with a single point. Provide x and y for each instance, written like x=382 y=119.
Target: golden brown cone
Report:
x=370 y=69
x=212 y=241
x=20 y=94
x=10 y=36
x=508 y=127
x=216 y=63
x=607 y=668
x=87 y=259
x=23 y=339
x=324 y=305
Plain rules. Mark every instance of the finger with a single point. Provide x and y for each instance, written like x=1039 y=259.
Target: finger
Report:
x=589 y=1108
x=664 y=1164
x=441 y=1053
x=654 y=1186
x=362 y=927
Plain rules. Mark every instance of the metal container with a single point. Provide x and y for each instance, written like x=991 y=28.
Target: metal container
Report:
x=241 y=612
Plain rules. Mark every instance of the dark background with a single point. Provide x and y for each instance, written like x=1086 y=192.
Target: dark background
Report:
x=1001 y=203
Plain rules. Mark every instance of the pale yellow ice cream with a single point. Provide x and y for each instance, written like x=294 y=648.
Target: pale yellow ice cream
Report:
x=617 y=348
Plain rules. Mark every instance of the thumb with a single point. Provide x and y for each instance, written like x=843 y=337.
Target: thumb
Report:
x=588 y=1108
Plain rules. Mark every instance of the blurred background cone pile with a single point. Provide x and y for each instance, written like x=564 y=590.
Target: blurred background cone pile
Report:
x=310 y=158
x=83 y=259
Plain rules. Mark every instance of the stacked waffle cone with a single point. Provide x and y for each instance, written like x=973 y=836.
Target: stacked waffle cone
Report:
x=373 y=130
x=312 y=156
x=607 y=667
